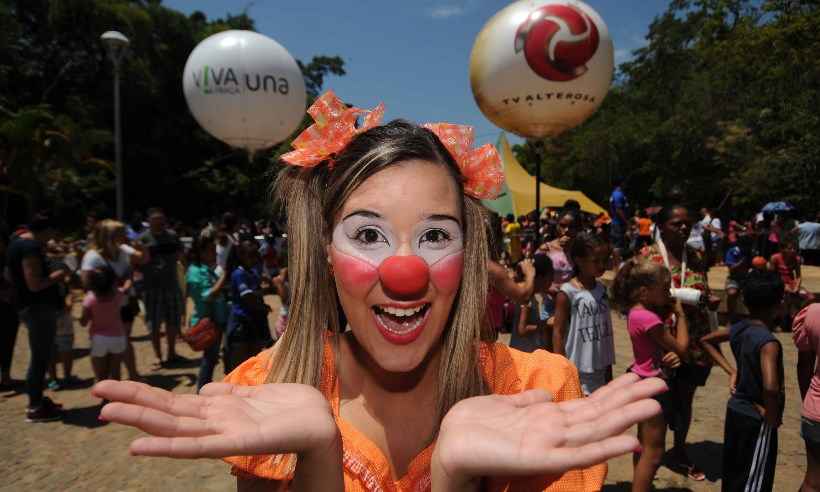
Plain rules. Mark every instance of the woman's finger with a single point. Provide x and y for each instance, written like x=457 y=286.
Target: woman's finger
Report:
x=561 y=459
x=611 y=424
x=148 y=396
x=217 y=389
x=155 y=422
x=529 y=397
x=186 y=447
x=615 y=385
x=589 y=409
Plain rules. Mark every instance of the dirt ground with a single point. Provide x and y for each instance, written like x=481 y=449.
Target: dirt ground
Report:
x=83 y=453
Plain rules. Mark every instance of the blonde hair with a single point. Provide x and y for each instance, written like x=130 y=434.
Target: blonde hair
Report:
x=312 y=199
x=104 y=234
x=634 y=274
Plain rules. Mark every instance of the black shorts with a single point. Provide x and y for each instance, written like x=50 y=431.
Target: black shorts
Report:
x=668 y=401
x=810 y=431
x=693 y=374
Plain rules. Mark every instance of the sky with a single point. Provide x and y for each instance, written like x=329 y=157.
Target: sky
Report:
x=413 y=55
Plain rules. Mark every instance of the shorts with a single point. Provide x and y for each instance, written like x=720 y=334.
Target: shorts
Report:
x=667 y=400
x=163 y=305
x=693 y=374
x=102 y=345
x=64 y=343
x=810 y=431
x=591 y=381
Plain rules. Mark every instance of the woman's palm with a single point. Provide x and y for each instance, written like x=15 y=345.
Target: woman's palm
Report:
x=527 y=434
x=224 y=420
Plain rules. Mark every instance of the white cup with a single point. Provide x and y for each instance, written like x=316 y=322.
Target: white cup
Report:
x=687 y=295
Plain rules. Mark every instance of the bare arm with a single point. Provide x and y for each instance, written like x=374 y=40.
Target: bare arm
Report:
x=85 y=317
x=560 y=323
x=771 y=383
x=710 y=344
x=518 y=292
x=805 y=370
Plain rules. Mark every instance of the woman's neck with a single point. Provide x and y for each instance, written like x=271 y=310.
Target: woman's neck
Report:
x=374 y=380
x=675 y=248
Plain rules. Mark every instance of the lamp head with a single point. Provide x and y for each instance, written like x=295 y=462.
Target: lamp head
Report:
x=115 y=44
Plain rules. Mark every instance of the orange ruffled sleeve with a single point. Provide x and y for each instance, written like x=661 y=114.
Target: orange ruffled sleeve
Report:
x=252 y=372
x=508 y=371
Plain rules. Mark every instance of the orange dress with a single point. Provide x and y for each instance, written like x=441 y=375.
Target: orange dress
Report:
x=506 y=371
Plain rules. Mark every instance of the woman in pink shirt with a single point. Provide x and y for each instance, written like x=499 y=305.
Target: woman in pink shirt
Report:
x=806 y=334
x=643 y=288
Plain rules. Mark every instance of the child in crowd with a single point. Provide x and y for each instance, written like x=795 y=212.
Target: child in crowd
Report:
x=787 y=263
x=282 y=288
x=738 y=261
x=583 y=325
x=755 y=409
x=248 y=329
x=643 y=288
x=204 y=287
x=806 y=333
x=529 y=332
x=101 y=308
x=64 y=345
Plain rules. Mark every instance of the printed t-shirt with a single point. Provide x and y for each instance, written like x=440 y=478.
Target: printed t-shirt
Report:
x=506 y=371
x=105 y=314
x=648 y=354
x=243 y=282
x=589 y=343
x=747 y=339
x=806 y=334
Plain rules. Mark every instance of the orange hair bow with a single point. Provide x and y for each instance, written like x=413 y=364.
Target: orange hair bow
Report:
x=481 y=167
x=335 y=127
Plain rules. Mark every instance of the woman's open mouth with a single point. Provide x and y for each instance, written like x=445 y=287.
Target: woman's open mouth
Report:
x=401 y=325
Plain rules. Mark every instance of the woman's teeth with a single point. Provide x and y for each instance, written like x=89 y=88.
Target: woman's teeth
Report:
x=402 y=312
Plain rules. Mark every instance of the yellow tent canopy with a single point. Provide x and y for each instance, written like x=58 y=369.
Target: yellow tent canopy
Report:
x=519 y=193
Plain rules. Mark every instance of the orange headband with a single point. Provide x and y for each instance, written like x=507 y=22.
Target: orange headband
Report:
x=335 y=128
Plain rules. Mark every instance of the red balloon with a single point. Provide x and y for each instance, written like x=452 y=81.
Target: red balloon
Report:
x=404 y=275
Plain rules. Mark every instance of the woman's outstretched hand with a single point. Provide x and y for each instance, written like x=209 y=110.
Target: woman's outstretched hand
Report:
x=223 y=420
x=527 y=434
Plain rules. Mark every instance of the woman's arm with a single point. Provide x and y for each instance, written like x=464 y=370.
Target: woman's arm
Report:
x=805 y=370
x=518 y=292
x=523 y=317
x=710 y=343
x=85 y=317
x=560 y=323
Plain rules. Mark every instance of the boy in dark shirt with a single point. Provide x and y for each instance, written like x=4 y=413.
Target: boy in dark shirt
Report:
x=755 y=409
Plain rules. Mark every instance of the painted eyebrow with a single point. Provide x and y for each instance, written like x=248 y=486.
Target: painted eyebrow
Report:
x=363 y=213
x=443 y=217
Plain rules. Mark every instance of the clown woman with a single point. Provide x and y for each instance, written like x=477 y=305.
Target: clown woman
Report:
x=412 y=394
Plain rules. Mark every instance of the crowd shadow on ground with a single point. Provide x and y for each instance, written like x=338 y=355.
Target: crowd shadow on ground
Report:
x=87 y=417
x=170 y=381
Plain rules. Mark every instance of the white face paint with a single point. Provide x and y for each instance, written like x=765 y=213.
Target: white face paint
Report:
x=367 y=236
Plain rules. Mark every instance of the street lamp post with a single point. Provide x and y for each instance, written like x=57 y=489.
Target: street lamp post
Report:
x=115 y=45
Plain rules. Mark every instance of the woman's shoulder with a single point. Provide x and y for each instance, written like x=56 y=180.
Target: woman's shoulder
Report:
x=507 y=371
x=253 y=371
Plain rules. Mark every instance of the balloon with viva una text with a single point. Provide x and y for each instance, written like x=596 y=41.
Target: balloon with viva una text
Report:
x=541 y=67
x=244 y=89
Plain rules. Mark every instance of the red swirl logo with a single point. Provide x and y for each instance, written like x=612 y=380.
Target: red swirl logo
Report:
x=557 y=41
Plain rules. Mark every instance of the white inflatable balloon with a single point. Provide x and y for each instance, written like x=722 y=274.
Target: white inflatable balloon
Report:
x=541 y=67
x=244 y=89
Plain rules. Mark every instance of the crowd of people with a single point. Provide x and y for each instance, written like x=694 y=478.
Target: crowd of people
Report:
x=118 y=271
x=545 y=288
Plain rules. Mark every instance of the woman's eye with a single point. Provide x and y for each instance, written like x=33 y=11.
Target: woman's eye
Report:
x=437 y=238
x=369 y=236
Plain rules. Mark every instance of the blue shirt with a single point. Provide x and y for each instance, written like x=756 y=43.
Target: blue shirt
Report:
x=747 y=339
x=244 y=282
x=618 y=201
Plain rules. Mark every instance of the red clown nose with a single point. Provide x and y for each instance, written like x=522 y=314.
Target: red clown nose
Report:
x=404 y=275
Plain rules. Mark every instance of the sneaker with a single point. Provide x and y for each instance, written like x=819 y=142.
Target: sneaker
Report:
x=72 y=381
x=48 y=411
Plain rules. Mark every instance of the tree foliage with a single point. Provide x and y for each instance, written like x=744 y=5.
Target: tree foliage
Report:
x=56 y=112
x=719 y=108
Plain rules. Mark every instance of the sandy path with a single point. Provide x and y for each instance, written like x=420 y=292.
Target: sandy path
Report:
x=82 y=453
